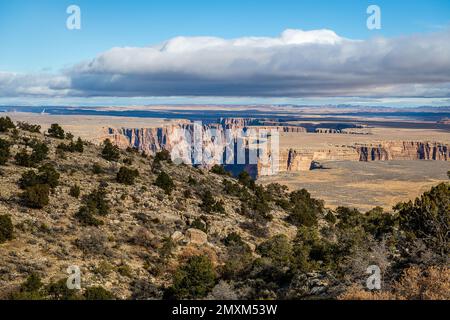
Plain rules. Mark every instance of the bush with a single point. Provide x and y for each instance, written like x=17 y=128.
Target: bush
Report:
x=98 y=293
x=59 y=291
x=31 y=289
x=415 y=284
x=165 y=182
x=6 y=228
x=379 y=223
x=92 y=242
x=110 y=152
x=55 y=131
x=163 y=155
x=199 y=224
x=97 y=169
x=6 y=124
x=29 y=178
x=310 y=251
x=39 y=153
x=23 y=159
x=36 y=196
x=86 y=217
x=428 y=218
x=246 y=180
x=220 y=170
x=193 y=280
x=238 y=260
x=192 y=181
x=47 y=175
x=95 y=204
x=127 y=176
x=74 y=191
x=209 y=204
x=29 y=127
x=4 y=151
x=77 y=146
x=278 y=249
x=233 y=239
x=304 y=209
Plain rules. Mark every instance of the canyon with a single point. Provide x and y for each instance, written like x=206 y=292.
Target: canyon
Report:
x=288 y=156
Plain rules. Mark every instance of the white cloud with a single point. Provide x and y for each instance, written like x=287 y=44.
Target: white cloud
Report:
x=316 y=63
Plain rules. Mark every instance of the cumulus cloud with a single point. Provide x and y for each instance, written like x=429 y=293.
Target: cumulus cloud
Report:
x=298 y=63
x=29 y=85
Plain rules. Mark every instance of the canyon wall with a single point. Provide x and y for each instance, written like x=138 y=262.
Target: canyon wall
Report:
x=217 y=141
x=404 y=150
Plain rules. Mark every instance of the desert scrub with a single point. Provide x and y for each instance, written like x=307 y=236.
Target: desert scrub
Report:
x=165 y=182
x=127 y=176
x=6 y=228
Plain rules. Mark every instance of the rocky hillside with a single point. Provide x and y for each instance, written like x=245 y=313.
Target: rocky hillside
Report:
x=141 y=227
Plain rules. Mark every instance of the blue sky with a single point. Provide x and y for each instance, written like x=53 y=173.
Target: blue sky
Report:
x=34 y=38
x=38 y=27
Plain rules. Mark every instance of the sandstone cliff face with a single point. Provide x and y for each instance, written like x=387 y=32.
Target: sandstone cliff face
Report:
x=301 y=159
x=404 y=150
x=216 y=142
x=229 y=142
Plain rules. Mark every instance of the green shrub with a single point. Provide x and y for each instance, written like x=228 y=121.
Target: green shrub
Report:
x=36 y=196
x=349 y=218
x=238 y=260
x=77 y=146
x=23 y=159
x=192 y=181
x=128 y=161
x=127 y=176
x=194 y=279
x=98 y=293
x=47 y=175
x=31 y=289
x=220 y=170
x=199 y=224
x=39 y=153
x=110 y=152
x=246 y=180
x=379 y=223
x=165 y=182
x=29 y=127
x=97 y=169
x=86 y=217
x=428 y=218
x=233 y=239
x=6 y=124
x=4 y=151
x=310 y=251
x=231 y=188
x=55 y=131
x=29 y=178
x=97 y=203
x=209 y=204
x=278 y=249
x=59 y=291
x=6 y=228
x=74 y=191
x=304 y=209
x=163 y=155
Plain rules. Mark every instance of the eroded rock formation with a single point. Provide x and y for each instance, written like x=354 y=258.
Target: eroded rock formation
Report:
x=232 y=136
